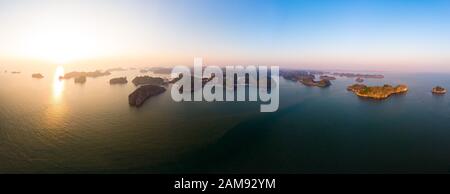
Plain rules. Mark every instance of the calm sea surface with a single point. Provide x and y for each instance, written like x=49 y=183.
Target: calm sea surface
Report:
x=53 y=126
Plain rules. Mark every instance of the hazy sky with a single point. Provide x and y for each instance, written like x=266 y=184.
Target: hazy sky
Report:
x=315 y=34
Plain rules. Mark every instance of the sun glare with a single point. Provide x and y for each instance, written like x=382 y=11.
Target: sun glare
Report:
x=58 y=84
x=61 y=36
x=58 y=43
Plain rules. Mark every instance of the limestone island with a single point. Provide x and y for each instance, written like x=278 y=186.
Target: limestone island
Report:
x=160 y=70
x=146 y=80
x=306 y=78
x=15 y=72
x=359 y=80
x=37 y=76
x=80 y=80
x=140 y=95
x=116 y=69
x=93 y=74
x=377 y=92
x=439 y=90
x=311 y=82
x=119 y=80
x=353 y=75
x=326 y=77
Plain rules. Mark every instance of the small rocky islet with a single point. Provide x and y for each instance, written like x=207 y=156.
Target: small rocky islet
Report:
x=147 y=80
x=438 y=90
x=119 y=80
x=377 y=92
x=37 y=75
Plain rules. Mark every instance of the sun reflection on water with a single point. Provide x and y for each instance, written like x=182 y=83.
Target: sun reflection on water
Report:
x=58 y=84
x=55 y=113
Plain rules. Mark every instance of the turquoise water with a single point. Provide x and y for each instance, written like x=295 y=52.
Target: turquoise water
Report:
x=58 y=127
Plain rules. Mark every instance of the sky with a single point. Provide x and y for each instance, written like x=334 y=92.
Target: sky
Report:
x=375 y=35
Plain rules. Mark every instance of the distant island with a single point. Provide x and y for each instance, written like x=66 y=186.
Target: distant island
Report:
x=157 y=70
x=311 y=82
x=326 y=77
x=359 y=80
x=15 y=72
x=37 y=76
x=116 y=69
x=306 y=78
x=119 y=80
x=145 y=80
x=140 y=95
x=377 y=92
x=295 y=75
x=439 y=90
x=161 y=70
x=93 y=74
x=353 y=75
x=80 y=80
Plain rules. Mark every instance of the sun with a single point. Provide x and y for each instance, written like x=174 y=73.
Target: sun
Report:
x=60 y=40
x=59 y=44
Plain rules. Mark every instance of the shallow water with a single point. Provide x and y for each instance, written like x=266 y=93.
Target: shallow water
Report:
x=51 y=126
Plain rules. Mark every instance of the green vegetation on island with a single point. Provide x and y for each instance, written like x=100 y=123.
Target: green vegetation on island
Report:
x=377 y=92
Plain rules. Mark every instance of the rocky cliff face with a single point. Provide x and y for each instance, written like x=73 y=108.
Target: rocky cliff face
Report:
x=140 y=95
x=377 y=92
